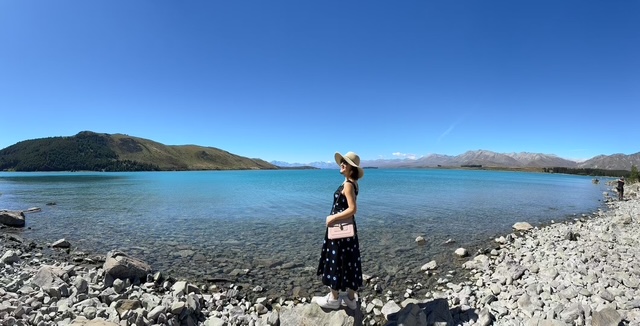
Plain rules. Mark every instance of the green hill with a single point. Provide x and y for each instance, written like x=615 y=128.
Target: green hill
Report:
x=90 y=151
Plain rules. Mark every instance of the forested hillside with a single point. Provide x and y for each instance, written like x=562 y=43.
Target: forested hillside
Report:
x=90 y=151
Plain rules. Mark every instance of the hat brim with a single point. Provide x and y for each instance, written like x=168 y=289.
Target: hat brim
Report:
x=338 y=157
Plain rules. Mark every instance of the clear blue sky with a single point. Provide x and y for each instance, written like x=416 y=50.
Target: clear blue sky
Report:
x=298 y=80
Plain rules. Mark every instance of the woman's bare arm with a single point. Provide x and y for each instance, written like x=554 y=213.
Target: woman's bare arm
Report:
x=349 y=191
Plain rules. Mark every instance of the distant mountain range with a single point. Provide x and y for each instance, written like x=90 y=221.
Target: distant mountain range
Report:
x=317 y=165
x=487 y=158
x=92 y=151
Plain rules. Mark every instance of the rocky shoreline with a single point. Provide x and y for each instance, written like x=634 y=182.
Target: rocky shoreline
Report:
x=582 y=272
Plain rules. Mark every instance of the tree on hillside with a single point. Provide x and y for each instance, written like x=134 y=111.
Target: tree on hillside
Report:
x=634 y=174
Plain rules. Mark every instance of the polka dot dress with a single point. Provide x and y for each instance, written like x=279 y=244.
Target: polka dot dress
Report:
x=339 y=263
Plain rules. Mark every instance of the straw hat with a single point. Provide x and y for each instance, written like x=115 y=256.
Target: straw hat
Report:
x=352 y=159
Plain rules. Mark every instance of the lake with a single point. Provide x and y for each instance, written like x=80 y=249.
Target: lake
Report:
x=203 y=224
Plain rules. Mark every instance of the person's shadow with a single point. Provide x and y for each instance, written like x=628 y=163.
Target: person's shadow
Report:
x=435 y=311
x=357 y=314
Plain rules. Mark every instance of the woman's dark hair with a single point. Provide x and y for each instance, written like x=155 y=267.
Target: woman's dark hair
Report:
x=354 y=173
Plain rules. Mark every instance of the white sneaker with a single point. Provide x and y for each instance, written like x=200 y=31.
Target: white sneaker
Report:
x=352 y=304
x=328 y=302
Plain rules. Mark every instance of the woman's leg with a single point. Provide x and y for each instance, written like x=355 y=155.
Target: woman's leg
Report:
x=329 y=301
x=351 y=294
x=351 y=299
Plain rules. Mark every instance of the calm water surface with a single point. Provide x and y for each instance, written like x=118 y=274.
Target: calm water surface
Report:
x=248 y=216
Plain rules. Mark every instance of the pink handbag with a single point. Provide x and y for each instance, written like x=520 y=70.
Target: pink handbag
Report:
x=341 y=229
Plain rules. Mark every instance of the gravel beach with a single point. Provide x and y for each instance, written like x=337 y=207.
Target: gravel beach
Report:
x=578 y=272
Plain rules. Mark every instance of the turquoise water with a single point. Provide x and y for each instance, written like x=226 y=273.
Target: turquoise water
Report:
x=249 y=215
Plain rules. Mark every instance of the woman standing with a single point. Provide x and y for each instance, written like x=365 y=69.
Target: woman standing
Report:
x=339 y=263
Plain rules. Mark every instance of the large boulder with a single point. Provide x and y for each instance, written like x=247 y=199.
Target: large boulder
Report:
x=12 y=218
x=62 y=243
x=119 y=265
x=49 y=279
x=606 y=317
x=312 y=315
x=522 y=226
x=10 y=257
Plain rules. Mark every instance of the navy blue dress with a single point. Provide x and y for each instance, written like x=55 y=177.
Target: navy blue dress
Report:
x=340 y=258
